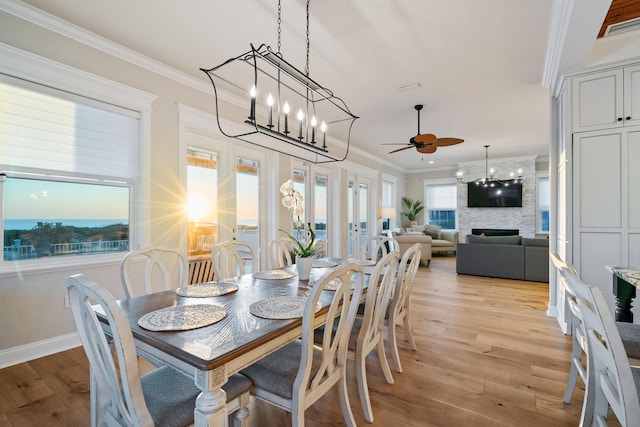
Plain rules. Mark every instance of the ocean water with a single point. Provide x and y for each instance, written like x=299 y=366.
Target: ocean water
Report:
x=28 y=224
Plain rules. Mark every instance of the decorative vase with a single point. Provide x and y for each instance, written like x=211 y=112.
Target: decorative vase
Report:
x=412 y=223
x=303 y=264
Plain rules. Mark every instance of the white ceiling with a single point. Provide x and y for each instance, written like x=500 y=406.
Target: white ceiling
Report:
x=480 y=63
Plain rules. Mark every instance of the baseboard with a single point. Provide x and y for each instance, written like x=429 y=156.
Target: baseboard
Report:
x=25 y=353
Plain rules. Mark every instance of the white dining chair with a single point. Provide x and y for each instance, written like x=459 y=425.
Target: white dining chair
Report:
x=280 y=250
x=376 y=247
x=157 y=276
x=229 y=259
x=399 y=311
x=367 y=333
x=119 y=395
x=575 y=289
x=615 y=384
x=297 y=375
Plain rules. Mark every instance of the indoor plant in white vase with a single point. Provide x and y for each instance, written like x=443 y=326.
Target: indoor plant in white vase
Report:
x=304 y=249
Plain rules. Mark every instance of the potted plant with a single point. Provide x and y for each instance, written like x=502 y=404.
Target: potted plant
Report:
x=411 y=209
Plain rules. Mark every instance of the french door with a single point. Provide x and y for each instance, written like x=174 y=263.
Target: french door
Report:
x=358 y=211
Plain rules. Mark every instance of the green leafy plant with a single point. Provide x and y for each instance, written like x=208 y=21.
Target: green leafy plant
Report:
x=308 y=247
x=411 y=208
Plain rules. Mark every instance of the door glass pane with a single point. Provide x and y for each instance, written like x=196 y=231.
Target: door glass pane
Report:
x=248 y=202
x=363 y=204
x=202 y=201
x=321 y=206
x=299 y=185
x=351 y=236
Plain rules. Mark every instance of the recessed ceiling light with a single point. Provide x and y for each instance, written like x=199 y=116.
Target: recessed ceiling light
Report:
x=408 y=86
x=431 y=162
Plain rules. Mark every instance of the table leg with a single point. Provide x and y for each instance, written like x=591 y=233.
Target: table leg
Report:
x=212 y=401
x=625 y=293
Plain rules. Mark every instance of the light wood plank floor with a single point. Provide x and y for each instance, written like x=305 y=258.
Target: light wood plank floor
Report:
x=487 y=356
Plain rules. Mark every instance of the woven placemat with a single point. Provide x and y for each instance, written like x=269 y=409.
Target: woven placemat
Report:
x=182 y=317
x=205 y=290
x=282 y=307
x=274 y=274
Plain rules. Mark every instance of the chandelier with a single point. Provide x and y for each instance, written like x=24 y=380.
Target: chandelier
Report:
x=288 y=111
x=489 y=179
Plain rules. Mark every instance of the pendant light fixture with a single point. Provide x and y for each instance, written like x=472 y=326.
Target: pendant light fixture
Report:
x=489 y=179
x=275 y=90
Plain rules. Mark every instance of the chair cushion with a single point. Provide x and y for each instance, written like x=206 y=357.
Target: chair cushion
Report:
x=171 y=396
x=276 y=372
x=630 y=335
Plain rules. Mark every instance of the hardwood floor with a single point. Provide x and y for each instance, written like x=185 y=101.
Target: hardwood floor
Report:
x=487 y=356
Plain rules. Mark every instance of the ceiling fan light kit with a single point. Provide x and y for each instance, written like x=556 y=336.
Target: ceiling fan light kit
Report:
x=426 y=143
x=489 y=179
x=276 y=88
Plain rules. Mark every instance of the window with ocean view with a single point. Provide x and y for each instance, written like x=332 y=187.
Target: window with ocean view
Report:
x=69 y=166
x=49 y=219
x=248 y=202
x=202 y=197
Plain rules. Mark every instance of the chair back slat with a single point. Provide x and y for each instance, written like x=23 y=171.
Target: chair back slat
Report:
x=376 y=247
x=156 y=276
x=280 y=250
x=229 y=259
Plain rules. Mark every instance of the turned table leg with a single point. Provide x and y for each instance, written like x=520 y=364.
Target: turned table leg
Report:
x=625 y=293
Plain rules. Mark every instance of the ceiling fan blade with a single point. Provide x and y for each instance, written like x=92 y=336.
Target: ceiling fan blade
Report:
x=425 y=138
x=445 y=142
x=398 y=143
x=401 y=149
x=427 y=149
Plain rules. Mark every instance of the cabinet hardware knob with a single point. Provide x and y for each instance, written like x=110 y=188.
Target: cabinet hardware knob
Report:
x=619 y=119
x=628 y=118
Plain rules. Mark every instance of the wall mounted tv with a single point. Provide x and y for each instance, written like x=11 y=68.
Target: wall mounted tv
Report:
x=501 y=195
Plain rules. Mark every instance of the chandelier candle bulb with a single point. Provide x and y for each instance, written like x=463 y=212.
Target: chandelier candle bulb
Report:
x=270 y=104
x=314 y=122
x=252 y=110
x=301 y=118
x=323 y=128
x=285 y=109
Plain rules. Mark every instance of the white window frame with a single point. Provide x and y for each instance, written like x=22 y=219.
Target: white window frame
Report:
x=541 y=176
x=27 y=66
x=439 y=182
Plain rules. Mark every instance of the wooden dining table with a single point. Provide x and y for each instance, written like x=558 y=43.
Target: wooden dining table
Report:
x=211 y=354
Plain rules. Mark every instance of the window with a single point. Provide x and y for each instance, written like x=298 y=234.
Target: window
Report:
x=202 y=201
x=71 y=164
x=321 y=206
x=542 y=201
x=248 y=202
x=441 y=204
x=299 y=185
x=388 y=197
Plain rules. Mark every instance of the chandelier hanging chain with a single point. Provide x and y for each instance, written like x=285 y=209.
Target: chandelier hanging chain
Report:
x=306 y=69
x=279 y=26
x=489 y=177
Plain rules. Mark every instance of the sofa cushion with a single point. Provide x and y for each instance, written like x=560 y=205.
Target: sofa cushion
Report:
x=526 y=241
x=495 y=240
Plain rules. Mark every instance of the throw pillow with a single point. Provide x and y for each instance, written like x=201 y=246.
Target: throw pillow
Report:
x=434 y=234
x=398 y=231
x=496 y=240
x=433 y=229
x=419 y=228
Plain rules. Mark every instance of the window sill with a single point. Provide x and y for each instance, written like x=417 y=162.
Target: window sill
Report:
x=10 y=269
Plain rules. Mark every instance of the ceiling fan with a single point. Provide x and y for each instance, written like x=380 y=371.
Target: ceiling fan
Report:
x=426 y=143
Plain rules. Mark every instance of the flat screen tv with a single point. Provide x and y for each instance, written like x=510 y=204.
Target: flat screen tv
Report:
x=501 y=195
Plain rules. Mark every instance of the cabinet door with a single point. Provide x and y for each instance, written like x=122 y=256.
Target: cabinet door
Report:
x=632 y=95
x=597 y=101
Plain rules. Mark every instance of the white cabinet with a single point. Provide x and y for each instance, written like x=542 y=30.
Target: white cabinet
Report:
x=607 y=99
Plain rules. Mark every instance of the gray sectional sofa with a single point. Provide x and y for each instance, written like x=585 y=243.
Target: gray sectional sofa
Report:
x=509 y=257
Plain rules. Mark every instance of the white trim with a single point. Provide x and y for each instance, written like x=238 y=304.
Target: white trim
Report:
x=561 y=12
x=35 y=350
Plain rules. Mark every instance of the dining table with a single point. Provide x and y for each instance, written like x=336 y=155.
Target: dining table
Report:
x=625 y=281
x=249 y=330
